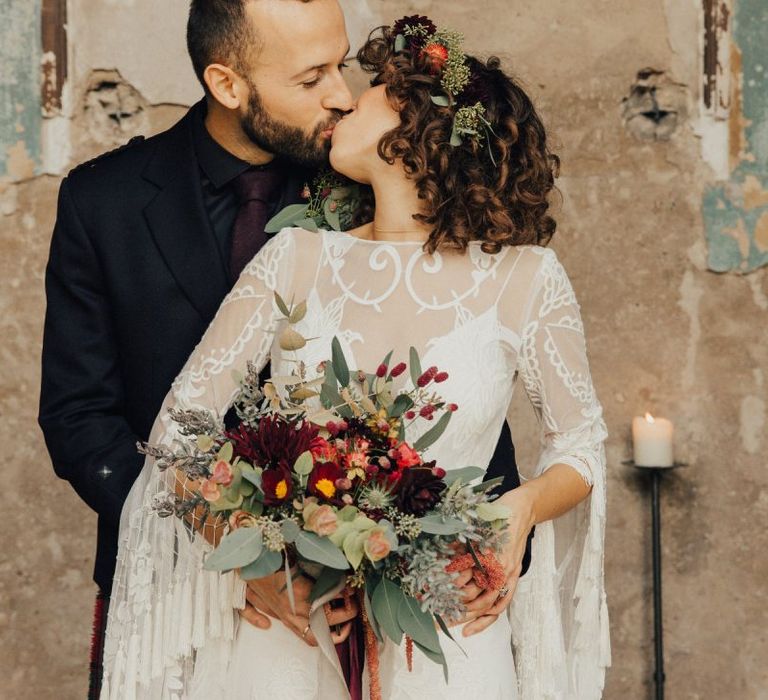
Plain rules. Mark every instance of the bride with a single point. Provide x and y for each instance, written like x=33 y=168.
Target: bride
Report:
x=453 y=263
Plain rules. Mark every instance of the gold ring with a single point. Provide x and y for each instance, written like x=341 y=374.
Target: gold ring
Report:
x=304 y=633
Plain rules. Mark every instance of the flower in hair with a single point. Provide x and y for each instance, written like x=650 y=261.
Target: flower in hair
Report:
x=412 y=32
x=437 y=55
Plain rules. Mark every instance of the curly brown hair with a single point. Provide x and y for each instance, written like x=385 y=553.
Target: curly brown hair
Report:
x=467 y=193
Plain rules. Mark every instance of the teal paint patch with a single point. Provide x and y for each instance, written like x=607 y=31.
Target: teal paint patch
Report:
x=735 y=215
x=20 y=115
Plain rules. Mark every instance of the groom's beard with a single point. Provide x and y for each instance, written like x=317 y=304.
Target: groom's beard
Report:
x=284 y=140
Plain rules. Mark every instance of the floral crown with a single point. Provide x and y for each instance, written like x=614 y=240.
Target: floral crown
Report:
x=443 y=52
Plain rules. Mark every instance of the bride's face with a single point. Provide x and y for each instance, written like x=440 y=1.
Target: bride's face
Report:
x=356 y=137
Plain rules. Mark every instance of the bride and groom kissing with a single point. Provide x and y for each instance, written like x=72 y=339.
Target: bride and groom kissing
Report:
x=161 y=276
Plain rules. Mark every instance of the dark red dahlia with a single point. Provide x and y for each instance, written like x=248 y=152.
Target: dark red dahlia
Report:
x=415 y=41
x=276 y=442
x=419 y=489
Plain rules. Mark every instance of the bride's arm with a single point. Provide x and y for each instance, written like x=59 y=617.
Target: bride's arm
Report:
x=553 y=365
x=241 y=331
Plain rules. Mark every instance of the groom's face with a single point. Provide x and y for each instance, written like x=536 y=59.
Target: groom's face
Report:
x=296 y=91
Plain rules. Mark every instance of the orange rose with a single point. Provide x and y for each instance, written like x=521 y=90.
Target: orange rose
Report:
x=322 y=521
x=377 y=544
x=222 y=473
x=210 y=490
x=241 y=518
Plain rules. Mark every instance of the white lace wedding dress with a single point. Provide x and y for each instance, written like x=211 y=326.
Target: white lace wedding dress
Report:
x=173 y=631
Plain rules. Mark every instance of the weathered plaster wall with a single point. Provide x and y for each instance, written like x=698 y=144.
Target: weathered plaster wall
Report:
x=665 y=333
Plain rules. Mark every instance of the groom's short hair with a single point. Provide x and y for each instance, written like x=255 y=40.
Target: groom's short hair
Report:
x=218 y=31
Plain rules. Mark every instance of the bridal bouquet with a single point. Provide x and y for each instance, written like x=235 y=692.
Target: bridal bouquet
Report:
x=319 y=474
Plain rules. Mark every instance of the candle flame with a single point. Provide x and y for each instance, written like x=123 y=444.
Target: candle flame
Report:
x=649 y=418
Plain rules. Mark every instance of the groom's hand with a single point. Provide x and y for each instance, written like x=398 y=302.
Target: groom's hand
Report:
x=267 y=596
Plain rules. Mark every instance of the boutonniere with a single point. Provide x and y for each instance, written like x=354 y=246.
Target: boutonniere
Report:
x=331 y=201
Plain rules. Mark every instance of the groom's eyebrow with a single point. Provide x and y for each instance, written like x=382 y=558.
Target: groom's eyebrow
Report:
x=320 y=66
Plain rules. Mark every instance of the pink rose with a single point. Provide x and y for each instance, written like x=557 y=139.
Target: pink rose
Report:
x=241 y=518
x=322 y=521
x=377 y=544
x=222 y=473
x=210 y=491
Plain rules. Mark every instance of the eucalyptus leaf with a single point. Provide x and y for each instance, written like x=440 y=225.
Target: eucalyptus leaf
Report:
x=308 y=225
x=237 y=549
x=400 y=405
x=466 y=474
x=440 y=100
x=438 y=658
x=448 y=634
x=332 y=216
x=288 y=216
x=354 y=549
x=289 y=585
x=298 y=313
x=417 y=624
x=371 y=617
x=252 y=476
x=340 y=368
x=289 y=530
x=492 y=511
x=304 y=464
x=456 y=139
x=226 y=452
x=265 y=565
x=321 y=550
x=433 y=433
x=281 y=305
x=436 y=524
x=326 y=581
x=415 y=366
x=488 y=485
x=386 y=601
x=399 y=43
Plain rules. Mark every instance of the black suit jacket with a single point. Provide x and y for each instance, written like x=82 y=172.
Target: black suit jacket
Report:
x=134 y=278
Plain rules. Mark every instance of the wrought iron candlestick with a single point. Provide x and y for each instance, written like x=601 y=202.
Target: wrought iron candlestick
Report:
x=658 y=630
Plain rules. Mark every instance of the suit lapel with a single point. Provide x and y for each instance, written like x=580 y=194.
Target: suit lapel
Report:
x=179 y=224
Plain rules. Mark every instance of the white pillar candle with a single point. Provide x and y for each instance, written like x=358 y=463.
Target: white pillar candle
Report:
x=652 y=441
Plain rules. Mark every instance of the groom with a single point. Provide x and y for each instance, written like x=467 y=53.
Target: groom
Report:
x=150 y=238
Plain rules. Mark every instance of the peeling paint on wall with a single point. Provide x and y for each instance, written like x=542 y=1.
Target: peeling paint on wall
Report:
x=20 y=117
x=736 y=212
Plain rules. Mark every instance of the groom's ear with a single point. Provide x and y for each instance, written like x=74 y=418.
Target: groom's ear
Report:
x=224 y=85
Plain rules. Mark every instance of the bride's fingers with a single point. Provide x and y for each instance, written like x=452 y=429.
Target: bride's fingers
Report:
x=300 y=627
x=484 y=601
x=255 y=617
x=478 y=625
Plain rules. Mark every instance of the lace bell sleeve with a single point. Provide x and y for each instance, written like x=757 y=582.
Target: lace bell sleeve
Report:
x=559 y=615
x=553 y=366
x=165 y=608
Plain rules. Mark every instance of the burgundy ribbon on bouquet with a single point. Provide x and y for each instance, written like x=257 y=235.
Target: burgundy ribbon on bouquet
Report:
x=351 y=653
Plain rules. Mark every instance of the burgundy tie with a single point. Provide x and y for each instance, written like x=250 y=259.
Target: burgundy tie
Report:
x=255 y=190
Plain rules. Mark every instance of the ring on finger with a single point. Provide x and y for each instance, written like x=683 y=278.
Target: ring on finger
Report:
x=304 y=633
x=503 y=591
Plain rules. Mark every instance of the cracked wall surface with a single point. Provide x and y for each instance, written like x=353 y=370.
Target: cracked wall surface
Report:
x=665 y=333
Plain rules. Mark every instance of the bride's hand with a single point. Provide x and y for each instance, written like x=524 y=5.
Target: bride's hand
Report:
x=267 y=595
x=486 y=606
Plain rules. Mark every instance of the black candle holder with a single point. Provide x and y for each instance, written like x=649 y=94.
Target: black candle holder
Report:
x=658 y=628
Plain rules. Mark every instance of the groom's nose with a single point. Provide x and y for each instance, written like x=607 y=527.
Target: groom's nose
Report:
x=338 y=98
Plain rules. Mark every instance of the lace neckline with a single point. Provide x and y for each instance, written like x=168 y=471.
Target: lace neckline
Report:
x=345 y=234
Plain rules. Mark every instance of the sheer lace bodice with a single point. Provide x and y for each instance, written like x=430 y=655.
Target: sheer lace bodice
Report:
x=488 y=320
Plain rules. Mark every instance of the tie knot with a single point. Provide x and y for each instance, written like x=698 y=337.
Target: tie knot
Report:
x=256 y=184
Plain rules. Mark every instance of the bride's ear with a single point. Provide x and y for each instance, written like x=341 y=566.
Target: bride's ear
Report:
x=225 y=85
